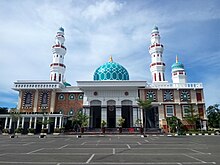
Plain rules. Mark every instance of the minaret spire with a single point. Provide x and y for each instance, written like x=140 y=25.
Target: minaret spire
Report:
x=157 y=66
x=57 y=68
x=110 y=59
x=176 y=59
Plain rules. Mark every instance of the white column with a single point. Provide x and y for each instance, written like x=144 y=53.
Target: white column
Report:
x=22 y=122
x=104 y=114
x=131 y=117
x=52 y=102
x=118 y=114
x=18 y=122
x=60 y=124
x=10 y=123
x=55 y=124
x=30 y=122
x=141 y=116
x=135 y=112
x=87 y=112
x=35 y=122
x=6 y=122
x=47 y=122
x=42 y=123
x=35 y=101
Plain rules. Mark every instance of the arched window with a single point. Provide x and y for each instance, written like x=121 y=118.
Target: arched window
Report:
x=80 y=97
x=159 y=77
x=71 y=112
x=71 y=97
x=61 y=97
x=28 y=98
x=60 y=111
x=44 y=98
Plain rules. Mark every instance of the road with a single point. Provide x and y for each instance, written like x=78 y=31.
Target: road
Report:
x=66 y=150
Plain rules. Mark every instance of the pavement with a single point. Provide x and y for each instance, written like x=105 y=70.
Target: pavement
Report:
x=110 y=149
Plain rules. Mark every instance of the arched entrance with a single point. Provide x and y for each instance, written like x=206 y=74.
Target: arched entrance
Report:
x=95 y=114
x=151 y=118
x=127 y=113
x=111 y=114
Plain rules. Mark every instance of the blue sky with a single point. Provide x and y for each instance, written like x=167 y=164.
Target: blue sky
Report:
x=94 y=30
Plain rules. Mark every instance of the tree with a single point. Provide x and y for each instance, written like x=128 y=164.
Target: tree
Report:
x=103 y=124
x=3 y=110
x=174 y=124
x=80 y=119
x=15 y=115
x=213 y=114
x=192 y=117
x=145 y=105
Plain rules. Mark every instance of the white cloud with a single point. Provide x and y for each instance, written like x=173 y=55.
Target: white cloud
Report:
x=101 y=10
x=94 y=30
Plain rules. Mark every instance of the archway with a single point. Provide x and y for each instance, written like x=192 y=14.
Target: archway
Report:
x=127 y=113
x=151 y=118
x=111 y=114
x=95 y=114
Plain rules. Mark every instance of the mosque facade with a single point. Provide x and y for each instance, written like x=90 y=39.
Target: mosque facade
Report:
x=109 y=96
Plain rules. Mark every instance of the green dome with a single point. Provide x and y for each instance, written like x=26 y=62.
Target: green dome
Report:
x=177 y=65
x=111 y=71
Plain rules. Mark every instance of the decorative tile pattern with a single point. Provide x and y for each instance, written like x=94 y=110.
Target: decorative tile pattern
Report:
x=111 y=71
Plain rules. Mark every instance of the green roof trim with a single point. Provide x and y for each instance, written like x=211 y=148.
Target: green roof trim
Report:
x=66 y=84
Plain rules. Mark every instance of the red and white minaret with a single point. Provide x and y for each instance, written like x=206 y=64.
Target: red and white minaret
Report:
x=157 y=66
x=57 y=68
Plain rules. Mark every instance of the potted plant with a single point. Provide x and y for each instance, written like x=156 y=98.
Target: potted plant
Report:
x=103 y=124
x=44 y=131
x=140 y=125
x=120 y=123
x=18 y=131
x=83 y=125
x=57 y=131
x=31 y=131
x=5 y=131
x=80 y=120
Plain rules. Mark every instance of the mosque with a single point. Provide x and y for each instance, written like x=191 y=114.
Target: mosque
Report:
x=109 y=96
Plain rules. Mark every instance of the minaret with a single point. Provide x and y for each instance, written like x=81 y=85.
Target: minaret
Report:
x=157 y=66
x=57 y=68
x=178 y=72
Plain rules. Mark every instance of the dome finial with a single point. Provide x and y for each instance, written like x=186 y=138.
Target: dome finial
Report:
x=176 y=59
x=110 y=59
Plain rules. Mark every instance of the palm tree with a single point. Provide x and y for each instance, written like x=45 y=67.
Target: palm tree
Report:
x=145 y=105
x=15 y=115
x=192 y=116
x=80 y=120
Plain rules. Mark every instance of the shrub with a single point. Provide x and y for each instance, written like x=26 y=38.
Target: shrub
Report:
x=31 y=130
x=5 y=130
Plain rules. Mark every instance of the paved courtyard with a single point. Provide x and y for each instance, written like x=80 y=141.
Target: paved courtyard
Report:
x=65 y=150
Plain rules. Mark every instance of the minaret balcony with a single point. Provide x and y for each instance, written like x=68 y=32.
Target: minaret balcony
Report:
x=156 y=45
x=57 y=64
x=157 y=63
x=59 y=49
x=156 y=48
x=59 y=46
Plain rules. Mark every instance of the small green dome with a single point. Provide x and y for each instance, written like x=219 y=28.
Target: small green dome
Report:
x=177 y=65
x=61 y=29
x=111 y=71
